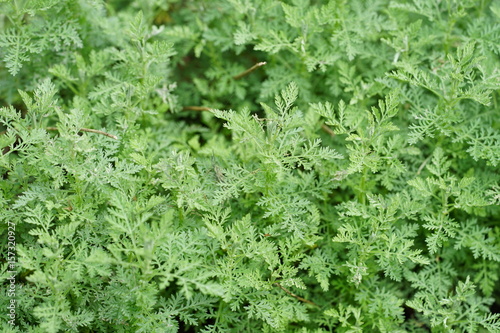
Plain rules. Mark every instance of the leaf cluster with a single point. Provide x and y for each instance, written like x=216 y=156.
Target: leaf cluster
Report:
x=250 y=165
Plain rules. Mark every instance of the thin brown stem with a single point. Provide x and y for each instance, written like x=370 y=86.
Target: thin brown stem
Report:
x=293 y=295
x=248 y=71
x=327 y=130
x=88 y=130
x=196 y=108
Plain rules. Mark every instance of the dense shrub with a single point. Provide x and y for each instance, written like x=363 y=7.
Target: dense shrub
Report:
x=250 y=165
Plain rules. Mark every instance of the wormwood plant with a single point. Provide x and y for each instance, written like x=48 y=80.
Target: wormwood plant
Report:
x=250 y=165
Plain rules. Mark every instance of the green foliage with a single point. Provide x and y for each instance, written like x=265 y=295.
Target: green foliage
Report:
x=250 y=165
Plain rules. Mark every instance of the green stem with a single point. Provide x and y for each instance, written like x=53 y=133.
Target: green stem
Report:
x=362 y=187
x=219 y=313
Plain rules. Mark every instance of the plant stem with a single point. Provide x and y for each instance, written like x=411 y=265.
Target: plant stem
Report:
x=88 y=130
x=327 y=130
x=248 y=71
x=293 y=295
x=424 y=163
x=196 y=108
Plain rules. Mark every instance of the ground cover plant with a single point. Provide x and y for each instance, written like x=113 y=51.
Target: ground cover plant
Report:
x=250 y=166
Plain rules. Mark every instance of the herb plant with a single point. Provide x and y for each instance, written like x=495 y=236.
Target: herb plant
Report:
x=250 y=165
